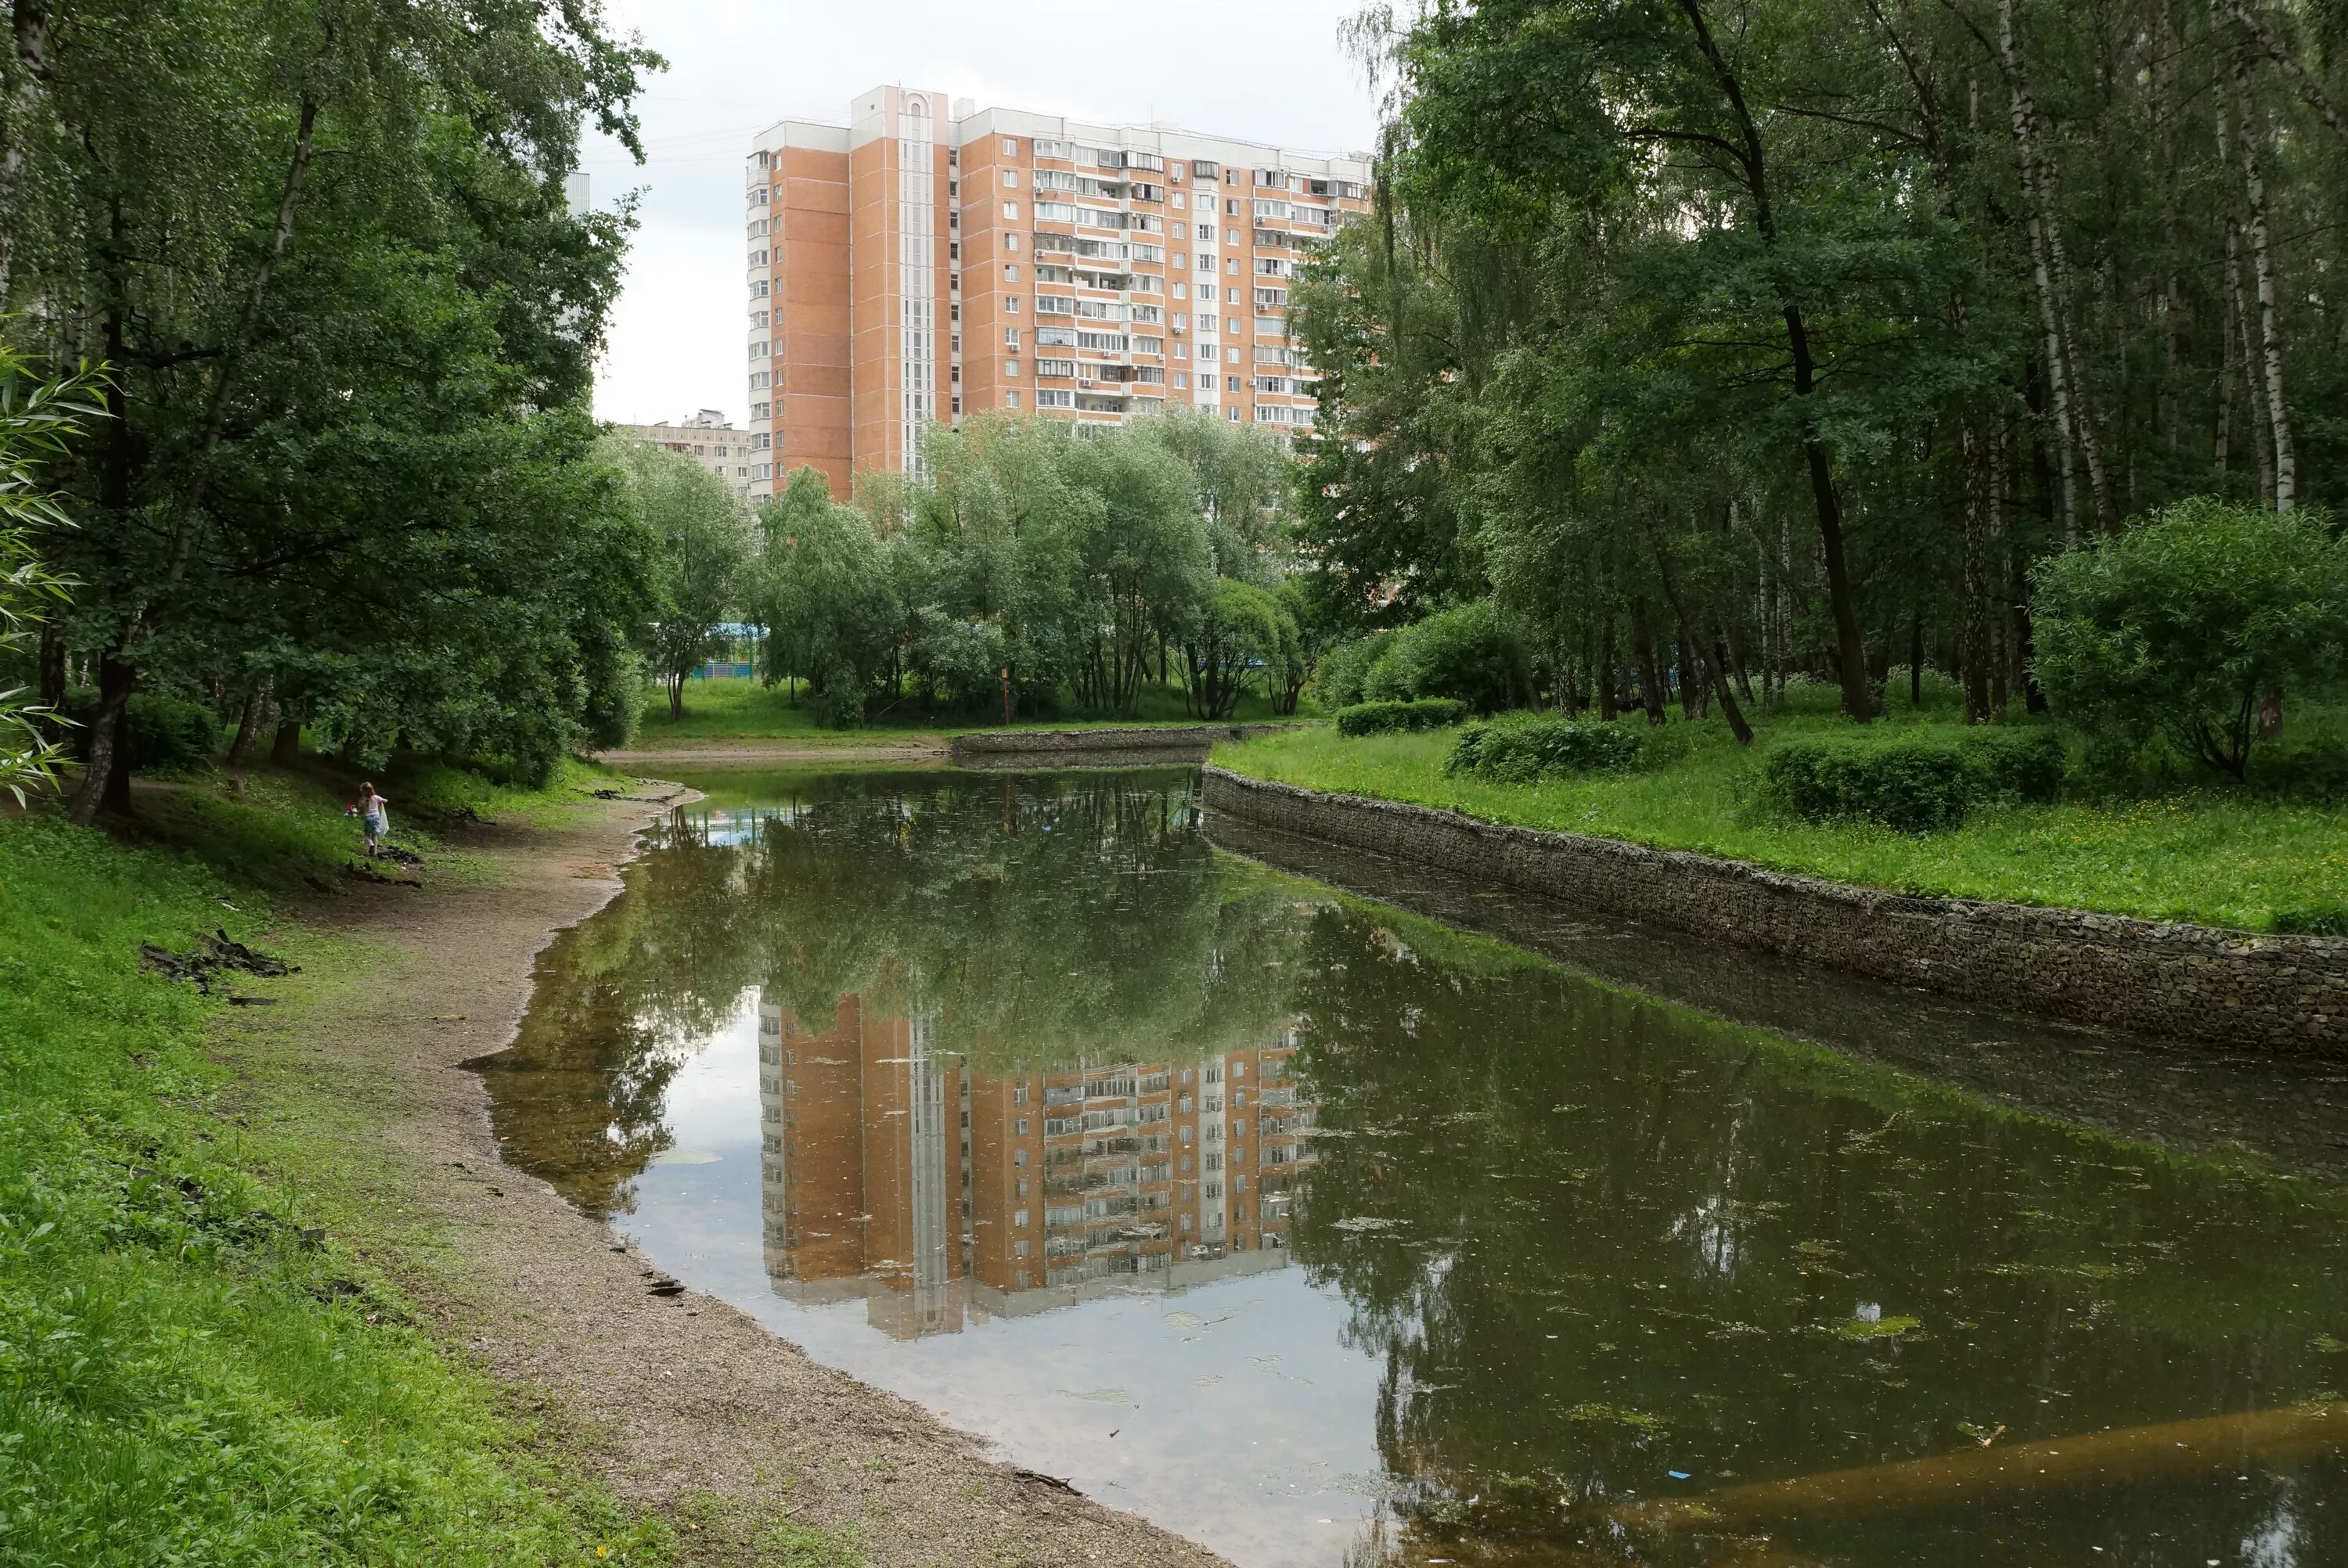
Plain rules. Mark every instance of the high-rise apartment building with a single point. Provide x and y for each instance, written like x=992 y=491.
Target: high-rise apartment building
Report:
x=939 y=1193
x=929 y=261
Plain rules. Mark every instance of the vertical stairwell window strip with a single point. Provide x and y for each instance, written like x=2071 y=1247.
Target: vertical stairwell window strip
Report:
x=916 y=277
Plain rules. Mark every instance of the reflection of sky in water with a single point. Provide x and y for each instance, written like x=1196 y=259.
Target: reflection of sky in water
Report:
x=1251 y=1429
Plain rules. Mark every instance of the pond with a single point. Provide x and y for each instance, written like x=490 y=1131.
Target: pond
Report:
x=1323 y=1232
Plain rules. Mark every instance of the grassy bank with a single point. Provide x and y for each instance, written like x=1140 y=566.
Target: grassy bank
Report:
x=2205 y=855
x=193 y=1365
x=745 y=710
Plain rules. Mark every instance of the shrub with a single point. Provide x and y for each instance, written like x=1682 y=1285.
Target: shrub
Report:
x=167 y=735
x=1464 y=653
x=1913 y=785
x=2182 y=625
x=1517 y=748
x=1340 y=680
x=1384 y=718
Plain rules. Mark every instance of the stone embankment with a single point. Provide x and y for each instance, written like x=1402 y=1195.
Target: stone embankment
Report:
x=1170 y=743
x=2283 y=994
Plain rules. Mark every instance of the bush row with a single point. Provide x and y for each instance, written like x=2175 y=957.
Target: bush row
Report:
x=1915 y=785
x=1384 y=718
x=1517 y=748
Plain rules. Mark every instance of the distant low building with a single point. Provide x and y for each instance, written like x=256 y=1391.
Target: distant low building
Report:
x=708 y=437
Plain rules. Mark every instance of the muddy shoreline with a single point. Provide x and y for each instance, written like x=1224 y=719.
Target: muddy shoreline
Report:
x=684 y=1404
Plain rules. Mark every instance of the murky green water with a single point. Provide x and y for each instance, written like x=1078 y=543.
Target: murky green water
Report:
x=1324 y=1234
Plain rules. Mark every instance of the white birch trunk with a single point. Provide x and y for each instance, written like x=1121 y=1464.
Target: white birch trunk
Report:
x=2024 y=116
x=2254 y=185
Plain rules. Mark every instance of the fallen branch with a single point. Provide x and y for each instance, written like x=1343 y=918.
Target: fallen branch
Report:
x=2175 y=1450
x=352 y=868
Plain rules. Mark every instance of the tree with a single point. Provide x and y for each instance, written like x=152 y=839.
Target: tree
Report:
x=37 y=417
x=701 y=547
x=824 y=588
x=2181 y=625
x=1241 y=632
x=348 y=323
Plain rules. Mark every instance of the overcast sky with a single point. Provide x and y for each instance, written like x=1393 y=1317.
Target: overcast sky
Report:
x=1261 y=70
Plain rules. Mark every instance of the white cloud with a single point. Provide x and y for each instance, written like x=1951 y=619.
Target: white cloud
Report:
x=1262 y=70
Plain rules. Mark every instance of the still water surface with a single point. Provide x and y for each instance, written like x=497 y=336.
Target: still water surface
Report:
x=1326 y=1235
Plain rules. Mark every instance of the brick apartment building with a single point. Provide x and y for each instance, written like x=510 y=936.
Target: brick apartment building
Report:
x=707 y=438
x=935 y=1191
x=929 y=261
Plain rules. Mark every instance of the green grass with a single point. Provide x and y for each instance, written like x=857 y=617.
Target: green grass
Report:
x=185 y=1375
x=2204 y=854
x=745 y=710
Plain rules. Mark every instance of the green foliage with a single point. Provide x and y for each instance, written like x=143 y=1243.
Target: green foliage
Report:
x=1517 y=748
x=1243 y=631
x=1466 y=652
x=701 y=548
x=825 y=596
x=2178 y=627
x=184 y=1376
x=1388 y=717
x=36 y=416
x=1090 y=569
x=1342 y=680
x=347 y=462
x=1913 y=785
x=166 y=735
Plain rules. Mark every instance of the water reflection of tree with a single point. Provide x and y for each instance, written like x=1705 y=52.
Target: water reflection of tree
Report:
x=1606 y=1239
x=621 y=1002
x=1042 y=921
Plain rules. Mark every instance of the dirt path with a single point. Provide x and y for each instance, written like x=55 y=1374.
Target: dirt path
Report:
x=687 y=1404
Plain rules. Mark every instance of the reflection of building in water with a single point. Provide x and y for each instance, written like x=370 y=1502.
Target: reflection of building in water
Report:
x=931 y=1189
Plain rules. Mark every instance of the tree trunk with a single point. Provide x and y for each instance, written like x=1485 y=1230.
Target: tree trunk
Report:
x=1856 y=698
x=1690 y=653
x=1916 y=660
x=18 y=120
x=248 y=724
x=1602 y=673
x=2313 y=95
x=675 y=697
x=106 y=777
x=2022 y=114
x=1651 y=675
x=50 y=681
x=286 y=746
x=1972 y=627
x=2240 y=352
x=2254 y=187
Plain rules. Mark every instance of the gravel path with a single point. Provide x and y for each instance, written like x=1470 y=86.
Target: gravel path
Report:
x=687 y=1404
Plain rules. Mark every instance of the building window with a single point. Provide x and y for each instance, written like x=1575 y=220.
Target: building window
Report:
x=1010 y=148
x=1011 y=211
x=1011 y=340
x=1011 y=400
x=1019 y=1220
x=1010 y=179
x=1019 y=1094
x=1011 y=271
x=1181 y=377
x=1010 y=305
x=1019 y=1248
x=758 y=380
x=1233 y=414
x=1010 y=370
x=1018 y=1156
x=1022 y=1125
